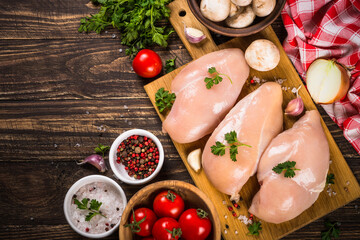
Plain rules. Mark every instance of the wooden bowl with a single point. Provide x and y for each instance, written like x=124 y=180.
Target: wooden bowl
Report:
x=193 y=198
x=220 y=27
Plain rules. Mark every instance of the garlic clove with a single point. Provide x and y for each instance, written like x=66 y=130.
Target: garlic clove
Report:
x=295 y=107
x=193 y=35
x=95 y=160
x=194 y=160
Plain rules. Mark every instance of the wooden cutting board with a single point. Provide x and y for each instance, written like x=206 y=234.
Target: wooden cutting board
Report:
x=346 y=186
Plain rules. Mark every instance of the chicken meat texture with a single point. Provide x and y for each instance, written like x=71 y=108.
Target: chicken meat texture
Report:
x=281 y=199
x=257 y=119
x=197 y=110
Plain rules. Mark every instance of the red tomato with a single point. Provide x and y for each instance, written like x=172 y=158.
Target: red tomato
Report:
x=195 y=224
x=166 y=229
x=168 y=204
x=147 y=63
x=145 y=219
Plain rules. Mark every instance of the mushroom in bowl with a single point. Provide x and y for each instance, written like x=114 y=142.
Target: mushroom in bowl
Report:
x=241 y=18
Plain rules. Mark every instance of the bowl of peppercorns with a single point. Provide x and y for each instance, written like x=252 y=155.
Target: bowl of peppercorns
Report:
x=136 y=156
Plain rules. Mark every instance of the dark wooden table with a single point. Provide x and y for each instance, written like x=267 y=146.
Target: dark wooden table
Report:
x=61 y=94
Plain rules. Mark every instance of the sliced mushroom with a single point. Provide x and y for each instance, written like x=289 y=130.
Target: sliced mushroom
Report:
x=216 y=11
x=243 y=18
x=263 y=8
x=241 y=3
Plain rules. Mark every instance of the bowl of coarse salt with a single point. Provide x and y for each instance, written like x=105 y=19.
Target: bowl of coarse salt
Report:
x=93 y=206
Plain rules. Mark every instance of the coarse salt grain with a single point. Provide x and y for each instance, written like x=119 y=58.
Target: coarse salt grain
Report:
x=226 y=216
x=112 y=207
x=236 y=232
x=77 y=145
x=225 y=231
x=224 y=202
x=245 y=219
x=347 y=183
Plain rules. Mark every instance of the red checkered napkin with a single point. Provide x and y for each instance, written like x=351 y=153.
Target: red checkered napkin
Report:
x=328 y=28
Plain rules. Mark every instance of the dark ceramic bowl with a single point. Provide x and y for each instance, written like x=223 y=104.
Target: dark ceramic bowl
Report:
x=220 y=27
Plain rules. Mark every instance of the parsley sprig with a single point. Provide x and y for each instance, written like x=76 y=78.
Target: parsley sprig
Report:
x=231 y=137
x=288 y=167
x=164 y=99
x=137 y=20
x=94 y=208
x=332 y=230
x=101 y=149
x=254 y=228
x=330 y=179
x=170 y=65
x=216 y=79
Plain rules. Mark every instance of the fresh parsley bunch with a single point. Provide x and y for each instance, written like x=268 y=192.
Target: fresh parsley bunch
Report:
x=137 y=21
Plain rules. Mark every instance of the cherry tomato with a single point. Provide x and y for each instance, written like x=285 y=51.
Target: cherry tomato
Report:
x=195 y=224
x=147 y=63
x=145 y=219
x=168 y=204
x=166 y=229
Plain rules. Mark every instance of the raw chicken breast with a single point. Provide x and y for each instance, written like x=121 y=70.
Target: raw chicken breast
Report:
x=257 y=119
x=281 y=199
x=198 y=110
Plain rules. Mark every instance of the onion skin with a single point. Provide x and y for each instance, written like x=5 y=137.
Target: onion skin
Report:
x=95 y=160
x=344 y=84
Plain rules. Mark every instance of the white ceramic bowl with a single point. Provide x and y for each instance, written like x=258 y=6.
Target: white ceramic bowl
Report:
x=75 y=187
x=119 y=169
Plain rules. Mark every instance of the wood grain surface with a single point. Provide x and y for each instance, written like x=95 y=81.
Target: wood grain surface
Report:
x=62 y=93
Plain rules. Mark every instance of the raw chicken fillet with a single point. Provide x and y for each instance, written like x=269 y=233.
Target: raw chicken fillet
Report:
x=197 y=110
x=257 y=119
x=281 y=199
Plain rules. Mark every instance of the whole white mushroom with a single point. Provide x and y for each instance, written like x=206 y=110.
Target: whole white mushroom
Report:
x=263 y=8
x=241 y=3
x=262 y=55
x=242 y=18
x=216 y=11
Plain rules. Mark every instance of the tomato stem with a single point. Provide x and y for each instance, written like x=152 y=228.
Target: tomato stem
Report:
x=135 y=225
x=201 y=213
x=171 y=196
x=176 y=232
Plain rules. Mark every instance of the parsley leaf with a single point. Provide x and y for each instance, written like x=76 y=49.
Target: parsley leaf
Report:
x=218 y=149
x=254 y=228
x=233 y=152
x=231 y=138
x=102 y=149
x=137 y=20
x=332 y=230
x=330 y=178
x=164 y=99
x=95 y=205
x=288 y=167
x=216 y=79
x=170 y=65
x=94 y=208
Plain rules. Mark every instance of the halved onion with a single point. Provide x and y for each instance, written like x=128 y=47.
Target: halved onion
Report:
x=327 y=81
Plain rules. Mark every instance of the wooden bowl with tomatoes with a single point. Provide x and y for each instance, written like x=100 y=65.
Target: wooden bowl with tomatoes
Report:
x=173 y=205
